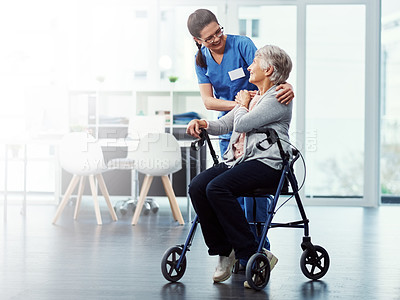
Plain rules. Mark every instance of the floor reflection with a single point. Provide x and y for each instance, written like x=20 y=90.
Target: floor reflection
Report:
x=314 y=289
x=173 y=291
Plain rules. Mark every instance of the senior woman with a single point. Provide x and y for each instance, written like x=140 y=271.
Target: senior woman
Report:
x=244 y=167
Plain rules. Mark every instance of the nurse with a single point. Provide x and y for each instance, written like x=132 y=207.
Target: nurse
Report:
x=221 y=66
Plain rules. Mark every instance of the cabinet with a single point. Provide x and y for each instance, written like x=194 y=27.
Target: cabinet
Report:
x=176 y=102
x=107 y=113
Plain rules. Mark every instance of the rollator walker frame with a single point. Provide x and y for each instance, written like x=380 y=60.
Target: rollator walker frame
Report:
x=314 y=261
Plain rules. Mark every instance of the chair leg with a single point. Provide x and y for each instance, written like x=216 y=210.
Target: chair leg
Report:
x=104 y=191
x=79 y=198
x=176 y=212
x=95 y=199
x=143 y=193
x=67 y=195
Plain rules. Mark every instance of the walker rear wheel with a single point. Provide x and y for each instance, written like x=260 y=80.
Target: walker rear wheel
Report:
x=170 y=261
x=258 y=271
x=314 y=265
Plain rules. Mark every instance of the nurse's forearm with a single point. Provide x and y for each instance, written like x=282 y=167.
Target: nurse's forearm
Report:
x=212 y=103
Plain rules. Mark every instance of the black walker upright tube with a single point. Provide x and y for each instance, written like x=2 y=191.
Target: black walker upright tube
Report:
x=188 y=242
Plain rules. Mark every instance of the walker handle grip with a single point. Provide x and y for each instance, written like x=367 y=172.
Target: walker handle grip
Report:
x=197 y=144
x=200 y=142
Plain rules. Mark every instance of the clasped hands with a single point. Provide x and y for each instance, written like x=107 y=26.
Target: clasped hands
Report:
x=244 y=97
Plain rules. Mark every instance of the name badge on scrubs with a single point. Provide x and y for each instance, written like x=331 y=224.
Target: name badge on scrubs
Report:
x=236 y=74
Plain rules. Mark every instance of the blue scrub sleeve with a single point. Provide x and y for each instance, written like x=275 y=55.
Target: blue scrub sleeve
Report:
x=201 y=74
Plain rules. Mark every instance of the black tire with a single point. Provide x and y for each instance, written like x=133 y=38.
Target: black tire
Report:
x=314 y=266
x=258 y=271
x=169 y=262
x=236 y=267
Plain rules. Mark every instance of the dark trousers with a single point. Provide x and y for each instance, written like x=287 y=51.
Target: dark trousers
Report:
x=214 y=195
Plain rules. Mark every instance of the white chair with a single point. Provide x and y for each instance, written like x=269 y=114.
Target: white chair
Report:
x=138 y=127
x=157 y=154
x=82 y=156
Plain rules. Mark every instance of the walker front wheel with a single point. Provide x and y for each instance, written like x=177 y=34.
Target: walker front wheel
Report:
x=314 y=264
x=258 y=271
x=169 y=264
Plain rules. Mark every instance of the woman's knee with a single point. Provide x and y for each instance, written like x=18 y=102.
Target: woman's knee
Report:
x=200 y=183
x=215 y=189
x=196 y=186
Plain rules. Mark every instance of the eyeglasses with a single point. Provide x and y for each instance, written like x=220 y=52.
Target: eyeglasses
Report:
x=217 y=34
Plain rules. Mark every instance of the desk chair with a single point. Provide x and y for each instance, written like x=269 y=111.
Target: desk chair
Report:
x=157 y=154
x=82 y=156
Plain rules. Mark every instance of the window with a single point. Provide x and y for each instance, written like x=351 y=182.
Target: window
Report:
x=242 y=27
x=335 y=67
x=249 y=27
x=255 y=28
x=390 y=104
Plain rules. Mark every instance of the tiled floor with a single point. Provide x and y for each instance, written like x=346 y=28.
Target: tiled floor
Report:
x=81 y=260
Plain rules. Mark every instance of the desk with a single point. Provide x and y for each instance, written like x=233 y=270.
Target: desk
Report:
x=184 y=144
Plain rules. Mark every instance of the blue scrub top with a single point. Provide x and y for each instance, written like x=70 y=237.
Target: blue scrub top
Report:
x=239 y=53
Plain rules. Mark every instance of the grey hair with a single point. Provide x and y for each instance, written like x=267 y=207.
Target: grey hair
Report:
x=276 y=57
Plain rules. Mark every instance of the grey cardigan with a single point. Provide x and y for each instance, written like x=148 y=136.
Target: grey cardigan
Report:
x=267 y=113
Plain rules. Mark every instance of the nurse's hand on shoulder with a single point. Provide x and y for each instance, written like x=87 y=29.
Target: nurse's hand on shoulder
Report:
x=194 y=127
x=286 y=95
